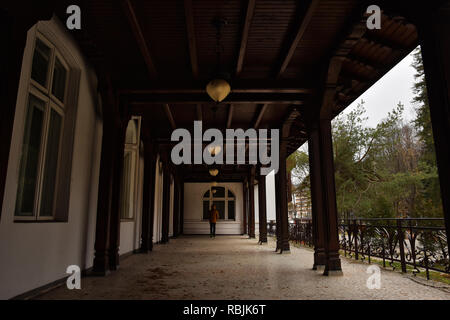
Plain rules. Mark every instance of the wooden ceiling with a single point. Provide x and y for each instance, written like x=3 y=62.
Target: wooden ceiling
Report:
x=162 y=53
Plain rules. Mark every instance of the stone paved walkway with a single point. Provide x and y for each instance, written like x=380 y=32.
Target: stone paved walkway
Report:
x=234 y=267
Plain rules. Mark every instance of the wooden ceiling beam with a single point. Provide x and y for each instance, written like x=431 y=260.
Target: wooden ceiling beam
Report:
x=258 y=120
x=230 y=115
x=170 y=116
x=202 y=90
x=245 y=33
x=189 y=16
x=139 y=36
x=149 y=99
x=196 y=91
x=260 y=116
x=287 y=123
x=373 y=39
x=298 y=36
x=199 y=111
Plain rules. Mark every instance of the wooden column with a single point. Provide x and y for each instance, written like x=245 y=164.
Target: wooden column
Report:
x=333 y=262
x=244 y=207
x=121 y=127
x=282 y=190
x=148 y=198
x=277 y=212
x=176 y=207
x=251 y=204
x=106 y=182
x=316 y=198
x=262 y=209
x=434 y=31
x=166 y=201
x=182 y=206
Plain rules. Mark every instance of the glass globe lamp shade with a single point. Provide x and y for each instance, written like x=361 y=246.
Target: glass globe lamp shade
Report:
x=218 y=89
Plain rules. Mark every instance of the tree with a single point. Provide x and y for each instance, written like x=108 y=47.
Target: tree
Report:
x=430 y=193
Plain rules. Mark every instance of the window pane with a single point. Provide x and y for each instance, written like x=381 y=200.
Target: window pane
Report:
x=231 y=215
x=131 y=133
x=221 y=208
x=41 y=59
x=206 y=210
x=219 y=192
x=125 y=194
x=230 y=194
x=51 y=164
x=30 y=157
x=206 y=195
x=59 y=80
x=127 y=187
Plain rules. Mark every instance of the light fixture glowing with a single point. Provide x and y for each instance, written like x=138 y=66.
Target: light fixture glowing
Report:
x=214 y=184
x=213 y=150
x=218 y=89
x=213 y=172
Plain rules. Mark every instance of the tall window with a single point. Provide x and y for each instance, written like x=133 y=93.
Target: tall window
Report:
x=44 y=122
x=224 y=200
x=128 y=196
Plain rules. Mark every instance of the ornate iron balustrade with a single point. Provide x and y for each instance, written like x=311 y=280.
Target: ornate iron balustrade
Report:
x=420 y=243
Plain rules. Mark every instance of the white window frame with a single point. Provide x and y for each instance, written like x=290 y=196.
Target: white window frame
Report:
x=211 y=200
x=133 y=149
x=51 y=103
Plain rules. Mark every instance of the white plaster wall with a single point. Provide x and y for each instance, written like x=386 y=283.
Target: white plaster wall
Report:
x=138 y=224
x=193 y=210
x=35 y=254
x=157 y=222
x=256 y=198
x=270 y=196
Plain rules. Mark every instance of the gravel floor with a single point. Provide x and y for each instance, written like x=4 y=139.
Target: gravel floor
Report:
x=234 y=267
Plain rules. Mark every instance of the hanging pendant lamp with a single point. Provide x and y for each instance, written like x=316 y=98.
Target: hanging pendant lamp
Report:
x=219 y=87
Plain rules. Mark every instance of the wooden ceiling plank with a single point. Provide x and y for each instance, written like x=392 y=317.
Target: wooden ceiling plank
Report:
x=189 y=15
x=245 y=33
x=230 y=115
x=199 y=110
x=170 y=116
x=139 y=36
x=299 y=35
x=260 y=115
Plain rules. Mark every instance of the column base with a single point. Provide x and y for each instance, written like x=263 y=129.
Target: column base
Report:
x=96 y=273
x=320 y=258
x=333 y=265
x=285 y=246
x=319 y=267
x=114 y=261
x=143 y=250
x=333 y=273
x=101 y=263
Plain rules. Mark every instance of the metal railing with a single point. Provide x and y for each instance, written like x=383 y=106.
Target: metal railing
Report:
x=417 y=244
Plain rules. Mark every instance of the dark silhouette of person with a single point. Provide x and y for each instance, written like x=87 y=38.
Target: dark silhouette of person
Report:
x=213 y=216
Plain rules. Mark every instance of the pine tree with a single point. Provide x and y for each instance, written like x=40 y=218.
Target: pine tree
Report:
x=431 y=204
x=422 y=123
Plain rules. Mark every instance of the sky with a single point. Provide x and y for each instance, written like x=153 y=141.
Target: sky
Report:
x=383 y=96
x=394 y=87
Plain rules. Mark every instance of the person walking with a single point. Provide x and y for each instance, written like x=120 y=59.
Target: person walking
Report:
x=213 y=216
